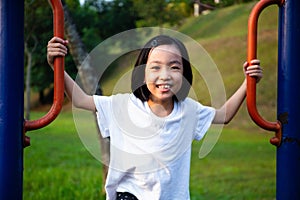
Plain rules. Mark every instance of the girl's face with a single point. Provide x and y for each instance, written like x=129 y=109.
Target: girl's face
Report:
x=163 y=73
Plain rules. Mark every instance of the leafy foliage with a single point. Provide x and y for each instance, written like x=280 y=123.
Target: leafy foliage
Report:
x=224 y=3
x=97 y=20
x=159 y=12
x=38 y=24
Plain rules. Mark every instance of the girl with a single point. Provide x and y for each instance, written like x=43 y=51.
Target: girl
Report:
x=151 y=130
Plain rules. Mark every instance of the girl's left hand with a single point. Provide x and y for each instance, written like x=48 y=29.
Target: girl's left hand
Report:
x=253 y=69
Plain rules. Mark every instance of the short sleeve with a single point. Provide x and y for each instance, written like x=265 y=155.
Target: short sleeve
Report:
x=205 y=116
x=103 y=106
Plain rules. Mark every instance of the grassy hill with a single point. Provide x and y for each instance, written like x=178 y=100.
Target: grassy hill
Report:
x=223 y=34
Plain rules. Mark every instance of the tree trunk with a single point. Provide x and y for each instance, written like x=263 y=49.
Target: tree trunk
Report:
x=87 y=76
x=27 y=83
x=29 y=54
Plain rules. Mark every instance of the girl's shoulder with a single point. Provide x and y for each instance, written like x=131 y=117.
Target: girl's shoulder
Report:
x=110 y=101
x=120 y=99
x=120 y=96
x=194 y=105
x=190 y=101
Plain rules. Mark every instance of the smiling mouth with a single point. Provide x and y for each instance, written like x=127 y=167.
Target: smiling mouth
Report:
x=163 y=86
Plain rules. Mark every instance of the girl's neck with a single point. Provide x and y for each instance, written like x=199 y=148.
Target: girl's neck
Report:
x=161 y=108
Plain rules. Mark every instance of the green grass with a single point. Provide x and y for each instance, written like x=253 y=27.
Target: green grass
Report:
x=241 y=166
x=57 y=166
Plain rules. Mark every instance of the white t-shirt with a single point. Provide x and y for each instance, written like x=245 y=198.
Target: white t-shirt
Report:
x=150 y=155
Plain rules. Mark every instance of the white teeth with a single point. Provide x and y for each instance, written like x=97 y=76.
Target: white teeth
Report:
x=164 y=86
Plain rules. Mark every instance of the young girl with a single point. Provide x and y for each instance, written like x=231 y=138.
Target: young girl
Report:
x=151 y=130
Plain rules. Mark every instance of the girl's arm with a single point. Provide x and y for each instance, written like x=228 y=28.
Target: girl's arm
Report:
x=57 y=47
x=225 y=114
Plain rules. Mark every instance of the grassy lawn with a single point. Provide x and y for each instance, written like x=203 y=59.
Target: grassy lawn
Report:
x=241 y=166
x=58 y=166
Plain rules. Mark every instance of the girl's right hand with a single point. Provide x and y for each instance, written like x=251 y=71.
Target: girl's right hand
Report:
x=56 y=47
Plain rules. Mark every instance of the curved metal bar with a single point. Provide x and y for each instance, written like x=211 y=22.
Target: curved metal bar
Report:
x=58 y=26
x=251 y=81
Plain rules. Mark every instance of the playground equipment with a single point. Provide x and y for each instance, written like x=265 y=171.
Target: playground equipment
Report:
x=12 y=125
x=287 y=135
x=251 y=81
x=58 y=22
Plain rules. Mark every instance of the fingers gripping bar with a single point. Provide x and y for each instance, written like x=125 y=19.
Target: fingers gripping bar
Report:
x=251 y=81
x=58 y=26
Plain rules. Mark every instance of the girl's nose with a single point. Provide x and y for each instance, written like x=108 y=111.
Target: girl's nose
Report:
x=164 y=74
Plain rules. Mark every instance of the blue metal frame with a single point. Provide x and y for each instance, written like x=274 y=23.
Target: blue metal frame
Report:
x=288 y=154
x=11 y=98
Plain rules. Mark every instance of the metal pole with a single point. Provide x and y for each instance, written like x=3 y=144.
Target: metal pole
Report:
x=11 y=98
x=288 y=154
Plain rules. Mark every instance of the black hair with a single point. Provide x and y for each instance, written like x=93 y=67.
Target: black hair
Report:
x=139 y=87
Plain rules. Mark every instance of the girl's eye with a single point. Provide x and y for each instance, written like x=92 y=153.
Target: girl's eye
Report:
x=155 y=67
x=175 y=68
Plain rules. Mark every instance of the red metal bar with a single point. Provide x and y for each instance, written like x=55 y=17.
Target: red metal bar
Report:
x=251 y=81
x=58 y=26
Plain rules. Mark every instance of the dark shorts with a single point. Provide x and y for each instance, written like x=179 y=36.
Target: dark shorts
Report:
x=125 y=196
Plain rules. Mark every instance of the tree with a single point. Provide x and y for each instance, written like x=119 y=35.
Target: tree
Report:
x=160 y=12
x=38 y=26
x=29 y=53
x=223 y=3
x=151 y=12
x=114 y=16
x=86 y=73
